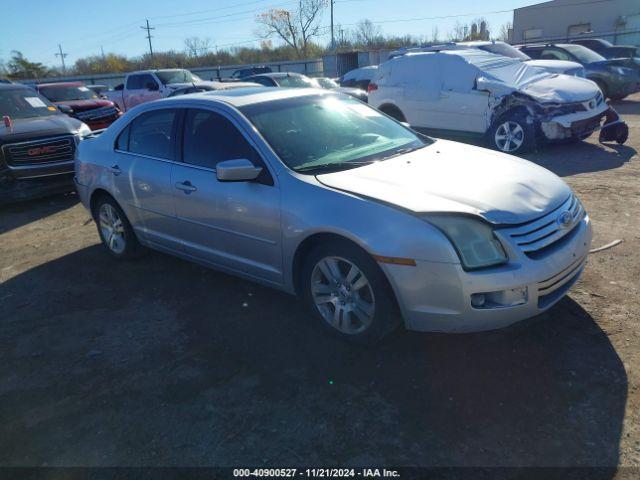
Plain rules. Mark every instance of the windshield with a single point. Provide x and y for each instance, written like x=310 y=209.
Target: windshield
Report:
x=327 y=83
x=24 y=103
x=506 y=50
x=295 y=81
x=328 y=132
x=63 y=93
x=583 y=54
x=177 y=76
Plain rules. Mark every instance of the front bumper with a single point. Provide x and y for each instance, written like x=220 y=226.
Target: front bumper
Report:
x=436 y=297
x=16 y=190
x=577 y=125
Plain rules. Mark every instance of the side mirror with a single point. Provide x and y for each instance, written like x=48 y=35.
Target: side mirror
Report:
x=153 y=87
x=66 y=109
x=240 y=170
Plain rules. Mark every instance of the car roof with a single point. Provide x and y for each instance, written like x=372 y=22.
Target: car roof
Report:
x=240 y=97
x=60 y=84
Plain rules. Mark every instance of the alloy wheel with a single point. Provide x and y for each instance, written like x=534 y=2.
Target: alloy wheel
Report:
x=509 y=136
x=111 y=228
x=343 y=295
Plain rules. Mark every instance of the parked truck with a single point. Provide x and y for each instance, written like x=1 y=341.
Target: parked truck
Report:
x=147 y=85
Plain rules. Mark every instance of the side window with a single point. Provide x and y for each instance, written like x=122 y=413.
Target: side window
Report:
x=122 y=142
x=553 y=54
x=134 y=82
x=152 y=134
x=263 y=81
x=146 y=80
x=210 y=138
x=532 y=52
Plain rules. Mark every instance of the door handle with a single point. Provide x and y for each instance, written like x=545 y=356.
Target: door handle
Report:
x=186 y=187
x=115 y=169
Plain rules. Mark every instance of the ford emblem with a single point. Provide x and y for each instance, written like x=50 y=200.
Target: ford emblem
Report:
x=565 y=219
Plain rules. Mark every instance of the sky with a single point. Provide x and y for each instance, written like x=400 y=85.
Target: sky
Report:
x=36 y=27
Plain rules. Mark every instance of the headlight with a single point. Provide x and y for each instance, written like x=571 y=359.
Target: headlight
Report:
x=84 y=130
x=473 y=239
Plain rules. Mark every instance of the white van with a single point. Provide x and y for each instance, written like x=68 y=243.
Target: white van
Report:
x=479 y=93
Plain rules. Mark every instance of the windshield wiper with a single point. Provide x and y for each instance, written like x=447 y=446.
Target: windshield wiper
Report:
x=330 y=165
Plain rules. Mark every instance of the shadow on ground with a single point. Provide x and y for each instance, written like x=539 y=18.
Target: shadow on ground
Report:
x=161 y=362
x=15 y=215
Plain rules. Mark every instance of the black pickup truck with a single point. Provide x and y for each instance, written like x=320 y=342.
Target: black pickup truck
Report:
x=37 y=145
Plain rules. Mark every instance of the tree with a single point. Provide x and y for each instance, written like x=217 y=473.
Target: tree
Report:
x=505 y=30
x=19 y=67
x=295 y=28
x=197 y=45
x=435 y=35
x=367 y=34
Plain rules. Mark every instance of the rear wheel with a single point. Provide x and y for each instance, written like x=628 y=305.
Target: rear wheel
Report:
x=346 y=291
x=511 y=133
x=115 y=231
x=394 y=112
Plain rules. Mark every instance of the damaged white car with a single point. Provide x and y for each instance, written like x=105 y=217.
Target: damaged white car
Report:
x=515 y=106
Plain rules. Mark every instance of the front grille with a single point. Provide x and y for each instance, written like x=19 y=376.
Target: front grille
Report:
x=534 y=238
x=553 y=288
x=102 y=113
x=38 y=152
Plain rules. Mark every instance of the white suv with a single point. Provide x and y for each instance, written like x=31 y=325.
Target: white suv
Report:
x=479 y=93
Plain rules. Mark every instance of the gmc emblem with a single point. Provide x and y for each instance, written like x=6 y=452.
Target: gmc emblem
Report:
x=32 y=152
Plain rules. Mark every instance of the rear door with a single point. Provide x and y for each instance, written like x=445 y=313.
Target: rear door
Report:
x=145 y=152
x=235 y=225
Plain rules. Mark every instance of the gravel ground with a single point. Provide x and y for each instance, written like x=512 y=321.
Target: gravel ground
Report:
x=161 y=362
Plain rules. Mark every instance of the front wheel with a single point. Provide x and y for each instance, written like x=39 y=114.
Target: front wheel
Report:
x=346 y=291
x=511 y=133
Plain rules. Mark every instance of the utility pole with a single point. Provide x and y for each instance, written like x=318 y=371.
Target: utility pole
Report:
x=102 y=52
x=148 y=29
x=62 y=55
x=333 y=40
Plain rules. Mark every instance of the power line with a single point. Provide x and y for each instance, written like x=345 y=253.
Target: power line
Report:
x=62 y=57
x=148 y=29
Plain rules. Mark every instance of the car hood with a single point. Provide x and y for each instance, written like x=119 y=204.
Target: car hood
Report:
x=454 y=177
x=37 y=127
x=561 y=88
x=556 y=66
x=82 y=105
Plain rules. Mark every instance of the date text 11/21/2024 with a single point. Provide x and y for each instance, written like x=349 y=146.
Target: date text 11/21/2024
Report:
x=316 y=472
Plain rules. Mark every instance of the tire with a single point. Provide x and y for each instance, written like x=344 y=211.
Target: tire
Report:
x=511 y=133
x=354 y=305
x=115 y=231
x=394 y=112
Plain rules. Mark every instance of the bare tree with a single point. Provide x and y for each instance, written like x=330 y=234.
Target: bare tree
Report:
x=295 y=28
x=458 y=32
x=435 y=35
x=505 y=30
x=197 y=46
x=367 y=34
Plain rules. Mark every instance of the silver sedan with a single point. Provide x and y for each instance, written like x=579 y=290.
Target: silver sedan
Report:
x=319 y=195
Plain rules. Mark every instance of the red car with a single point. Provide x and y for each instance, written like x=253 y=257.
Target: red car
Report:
x=78 y=101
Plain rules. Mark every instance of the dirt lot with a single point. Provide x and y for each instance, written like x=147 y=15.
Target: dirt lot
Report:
x=162 y=362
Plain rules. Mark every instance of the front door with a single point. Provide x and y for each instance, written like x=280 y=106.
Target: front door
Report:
x=234 y=225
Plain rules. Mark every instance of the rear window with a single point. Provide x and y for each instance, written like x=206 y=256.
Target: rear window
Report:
x=25 y=103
